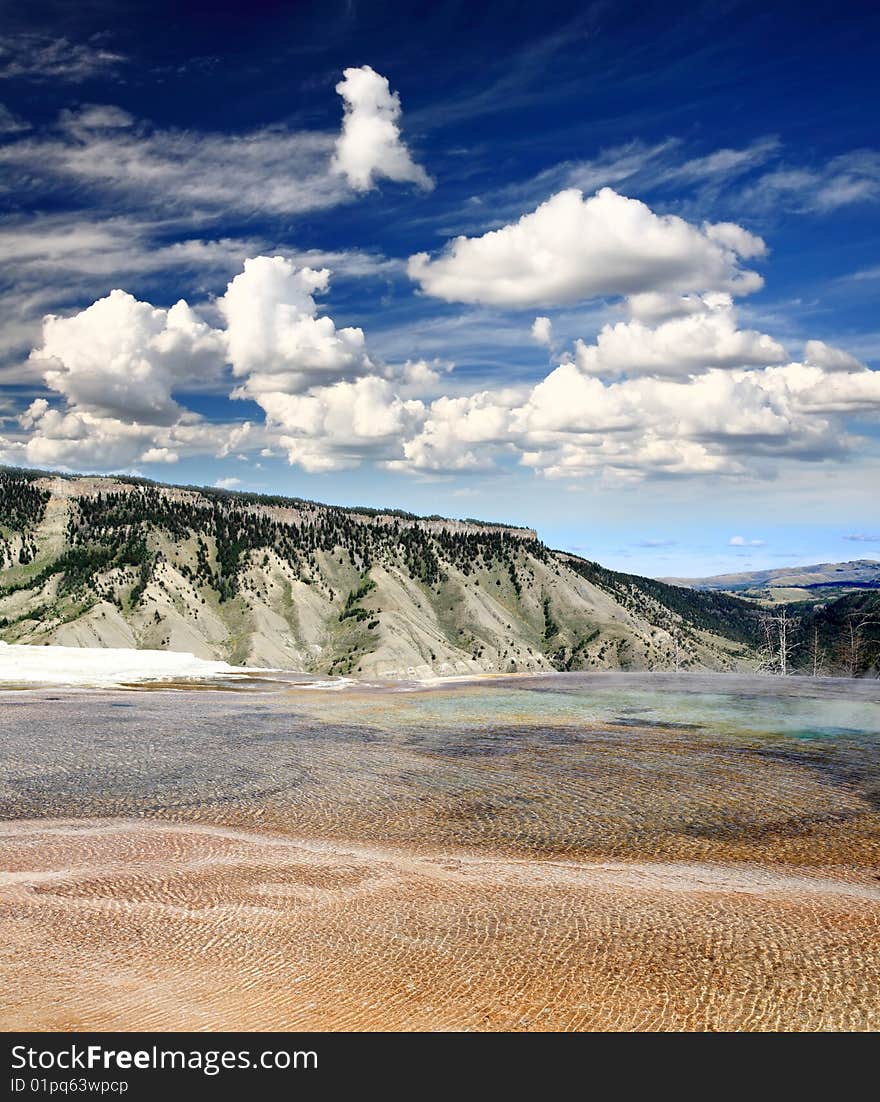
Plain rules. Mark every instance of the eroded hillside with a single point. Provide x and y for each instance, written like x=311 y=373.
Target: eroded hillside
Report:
x=288 y=583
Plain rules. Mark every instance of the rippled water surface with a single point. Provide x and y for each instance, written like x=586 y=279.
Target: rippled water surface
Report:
x=577 y=763
x=566 y=852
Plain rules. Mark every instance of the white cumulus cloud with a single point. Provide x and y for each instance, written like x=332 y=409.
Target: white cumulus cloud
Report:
x=542 y=331
x=572 y=248
x=335 y=427
x=820 y=354
x=124 y=358
x=723 y=421
x=700 y=340
x=370 y=144
x=275 y=335
x=676 y=390
x=457 y=434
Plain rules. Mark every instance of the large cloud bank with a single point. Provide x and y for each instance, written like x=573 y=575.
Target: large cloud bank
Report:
x=676 y=387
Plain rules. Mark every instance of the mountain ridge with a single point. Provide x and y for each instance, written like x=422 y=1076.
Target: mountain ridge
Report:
x=267 y=581
x=270 y=581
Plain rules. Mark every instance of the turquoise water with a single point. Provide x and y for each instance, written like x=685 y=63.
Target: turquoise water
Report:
x=722 y=705
x=598 y=764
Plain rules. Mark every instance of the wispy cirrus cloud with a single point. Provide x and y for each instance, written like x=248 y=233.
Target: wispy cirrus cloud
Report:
x=11 y=123
x=634 y=167
x=41 y=246
x=759 y=178
x=42 y=57
x=724 y=164
x=847 y=179
x=104 y=152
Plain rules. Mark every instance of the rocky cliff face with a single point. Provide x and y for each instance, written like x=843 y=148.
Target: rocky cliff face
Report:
x=262 y=581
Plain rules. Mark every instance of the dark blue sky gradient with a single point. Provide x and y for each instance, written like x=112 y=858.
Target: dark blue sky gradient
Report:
x=500 y=100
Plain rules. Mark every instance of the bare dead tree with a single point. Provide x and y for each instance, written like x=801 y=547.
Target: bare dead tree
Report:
x=778 y=643
x=817 y=655
x=767 y=653
x=853 y=642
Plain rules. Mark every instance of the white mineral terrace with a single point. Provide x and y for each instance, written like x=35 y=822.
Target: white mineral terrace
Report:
x=104 y=666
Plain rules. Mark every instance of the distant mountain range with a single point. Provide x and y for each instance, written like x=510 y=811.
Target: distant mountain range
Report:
x=859 y=573
x=284 y=582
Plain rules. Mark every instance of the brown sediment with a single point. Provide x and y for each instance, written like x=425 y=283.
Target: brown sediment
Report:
x=134 y=925
x=465 y=858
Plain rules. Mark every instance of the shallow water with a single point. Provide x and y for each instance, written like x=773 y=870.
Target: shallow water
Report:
x=564 y=852
x=583 y=764
x=723 y=704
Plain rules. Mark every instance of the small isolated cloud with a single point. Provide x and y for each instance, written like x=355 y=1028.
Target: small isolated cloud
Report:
x=227 y=483
x=655 y=543
x=95 y=117
x=370 y=144
x=159 y=455
x=862 y=537
x=741 y=541
x=542 y=331
x=572 y=248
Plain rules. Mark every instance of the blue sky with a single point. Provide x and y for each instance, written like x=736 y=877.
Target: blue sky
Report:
x=608 y=270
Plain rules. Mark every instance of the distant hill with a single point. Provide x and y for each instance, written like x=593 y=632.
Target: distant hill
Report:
x=859 y=573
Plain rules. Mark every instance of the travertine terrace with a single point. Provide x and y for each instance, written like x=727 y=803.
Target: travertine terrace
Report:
x=548 y=853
